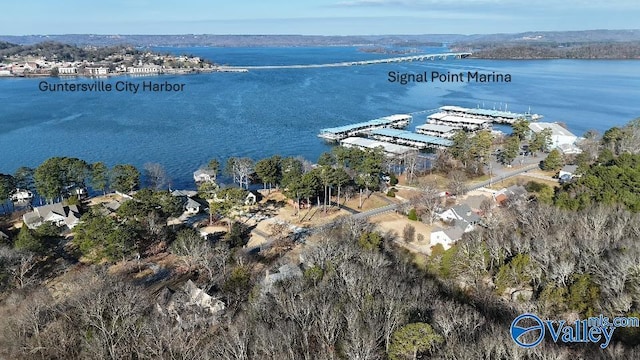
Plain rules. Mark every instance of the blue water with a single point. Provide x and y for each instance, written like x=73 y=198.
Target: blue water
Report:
x=267 y=112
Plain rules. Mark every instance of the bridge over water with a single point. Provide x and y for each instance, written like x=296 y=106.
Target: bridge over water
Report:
x=422 y=57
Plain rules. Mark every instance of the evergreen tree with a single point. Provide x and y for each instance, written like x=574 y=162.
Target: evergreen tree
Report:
x=413 y=339
x=554 y=161
x=28 y=241
x=125 y=178
x=99 y=176
x=521 y=129
x=510 y=150
x=269 y=170
x=7 y=185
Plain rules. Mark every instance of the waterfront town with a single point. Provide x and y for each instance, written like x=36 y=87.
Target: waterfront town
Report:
x=122 y=61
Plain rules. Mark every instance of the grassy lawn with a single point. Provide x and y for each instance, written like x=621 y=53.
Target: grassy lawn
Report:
x=520 y=180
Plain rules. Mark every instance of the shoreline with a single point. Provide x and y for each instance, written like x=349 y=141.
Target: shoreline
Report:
x=106 y=76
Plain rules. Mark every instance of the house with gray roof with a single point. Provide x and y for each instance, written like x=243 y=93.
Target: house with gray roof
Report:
x=286 y=271
x=192 y=206
x=58 y=214
x=568 y=170
x=447 y=236
x=461 y=212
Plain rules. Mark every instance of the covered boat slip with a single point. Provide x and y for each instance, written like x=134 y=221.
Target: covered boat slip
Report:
x=342 y=132
x=497 y=116
x=460 y=122
x=408 y=138
x=392 y=150
x=443 y=131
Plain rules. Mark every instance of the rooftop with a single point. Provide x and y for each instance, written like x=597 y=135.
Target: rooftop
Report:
x=457 y=119
x=488 y=112
x=436 y=128
x=387 y=120
x=372 y=144
x=407 y=135
x=556 y=129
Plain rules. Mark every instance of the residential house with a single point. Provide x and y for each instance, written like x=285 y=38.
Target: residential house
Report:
x=79 y=191
x=251 y=198
x=21 y=195
x=185 y=193
x=204 y=175
x=513 y=193
x=461 y=213
x=567 y=170
x=446 y=237
x=192 y=206
x=59 y=214
x=287 y=271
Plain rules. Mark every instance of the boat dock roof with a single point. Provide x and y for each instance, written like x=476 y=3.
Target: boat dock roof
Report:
x=409 y=138
x=436 y=128
x=375 y=123
x=454 y=119
x=498 y=114
x=388 y=147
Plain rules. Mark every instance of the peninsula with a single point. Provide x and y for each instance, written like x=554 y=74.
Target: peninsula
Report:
x=57 y=59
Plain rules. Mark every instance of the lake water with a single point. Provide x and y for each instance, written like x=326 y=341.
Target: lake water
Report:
x=267 y=112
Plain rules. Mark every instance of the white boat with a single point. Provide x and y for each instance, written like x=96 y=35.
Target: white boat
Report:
x=21 y=195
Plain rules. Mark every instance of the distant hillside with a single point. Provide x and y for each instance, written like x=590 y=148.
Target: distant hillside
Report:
x=6 y=45
x=611 y=50
x=589 y=36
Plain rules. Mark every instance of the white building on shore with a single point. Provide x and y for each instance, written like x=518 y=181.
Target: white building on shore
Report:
x=561 y=138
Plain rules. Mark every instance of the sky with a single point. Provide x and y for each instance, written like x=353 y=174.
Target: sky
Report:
x=314 y=17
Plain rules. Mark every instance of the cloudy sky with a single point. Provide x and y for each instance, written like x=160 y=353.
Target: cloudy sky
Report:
x=319 y=17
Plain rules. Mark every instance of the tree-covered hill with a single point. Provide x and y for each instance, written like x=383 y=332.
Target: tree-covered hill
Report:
x=62 y=52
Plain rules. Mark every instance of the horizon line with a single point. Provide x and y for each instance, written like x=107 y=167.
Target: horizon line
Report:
x=322 y=35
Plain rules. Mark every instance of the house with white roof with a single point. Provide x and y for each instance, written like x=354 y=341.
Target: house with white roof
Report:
x=561 y=138
x=204 y=175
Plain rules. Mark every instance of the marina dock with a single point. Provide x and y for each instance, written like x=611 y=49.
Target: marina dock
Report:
x=408 y=138
x=391 y=150
x=437 y=133
x=397 y=121
x=493 y=116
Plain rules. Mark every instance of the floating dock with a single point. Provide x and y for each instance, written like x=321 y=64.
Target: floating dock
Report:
x=397 y=121
x=495 y=116
x=392 y=150
x=459 y=122
x=408 y=138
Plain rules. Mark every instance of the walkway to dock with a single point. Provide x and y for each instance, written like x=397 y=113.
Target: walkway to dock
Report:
x=423 y=57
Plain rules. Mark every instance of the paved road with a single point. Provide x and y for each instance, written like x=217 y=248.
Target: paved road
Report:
x=503 y=176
